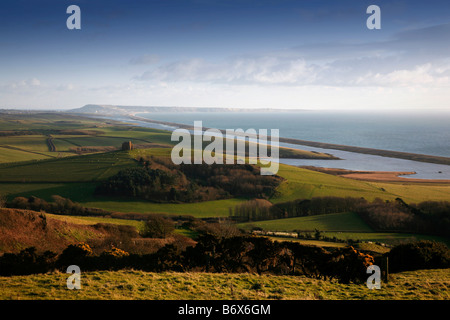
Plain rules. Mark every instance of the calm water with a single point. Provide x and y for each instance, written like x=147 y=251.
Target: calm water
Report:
x=423 y=134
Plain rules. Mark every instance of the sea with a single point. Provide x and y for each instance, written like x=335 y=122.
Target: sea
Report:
x=423 y=133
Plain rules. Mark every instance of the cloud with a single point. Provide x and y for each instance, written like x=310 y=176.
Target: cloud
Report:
x=270 y=70
x=22 y=85
x=411 y=58
x=241 y=70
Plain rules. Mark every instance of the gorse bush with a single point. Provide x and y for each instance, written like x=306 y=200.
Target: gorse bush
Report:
x=74 y=254
x=210 y=254
x=115 y=252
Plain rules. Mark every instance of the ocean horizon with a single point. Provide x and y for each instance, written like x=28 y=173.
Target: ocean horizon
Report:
x=415 y=133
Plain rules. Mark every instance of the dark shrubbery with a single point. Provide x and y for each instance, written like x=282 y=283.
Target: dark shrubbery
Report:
x=254 y=211
x=157 y=226
x=419 y=255
x=27 y=261
x=429 y=217
x=211 y=254
x=140 y=182
x=234 y=254
x=59 y=205
x=189 y=183
x=239 y=180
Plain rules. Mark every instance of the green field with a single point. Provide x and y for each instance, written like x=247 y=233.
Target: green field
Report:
x=342 y=226
x=304 y=184
x=137 y=285
x=206 y=209
x=28 y=168
x=349 y=222
x=70 y=169
x=83 y=193
x=94 y=220
x=8 y=154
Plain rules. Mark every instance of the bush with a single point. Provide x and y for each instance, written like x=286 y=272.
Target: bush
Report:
x=74 y=254
x=26 y=262
x=419 y=255
x=349 y=265
x=115 y=253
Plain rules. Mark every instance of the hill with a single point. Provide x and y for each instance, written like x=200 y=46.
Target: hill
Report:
x=20 y=229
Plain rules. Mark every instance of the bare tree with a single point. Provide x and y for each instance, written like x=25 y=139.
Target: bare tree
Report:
x=157 y=226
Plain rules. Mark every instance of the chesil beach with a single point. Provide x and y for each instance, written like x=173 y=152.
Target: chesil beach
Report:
x=415 y=133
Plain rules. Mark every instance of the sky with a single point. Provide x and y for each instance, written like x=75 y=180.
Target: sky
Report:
x=286 y=54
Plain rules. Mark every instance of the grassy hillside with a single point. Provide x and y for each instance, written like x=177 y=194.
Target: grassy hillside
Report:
x=134 y=285
x=304 y=184
x=206 y=209
x=45 y=178
x=28 y=168
x=8 y=154
x=20 y=229
x=342 y=226
x=324 y=222
x=71 y=169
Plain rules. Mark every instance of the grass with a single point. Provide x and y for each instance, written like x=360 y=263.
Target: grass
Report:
x=342 y=226
x=30 y=172
x=304 y=184
x=318 y=243
x=15 y=155
x=94 y=220
x=83 y=193
x=325 y=222
x=138 y=285
x=74 y=191
x=28 y=142
x=391 y=238
x=216 y=208
x=70 y=169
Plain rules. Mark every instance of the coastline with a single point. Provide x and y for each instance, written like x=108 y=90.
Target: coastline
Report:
x=323 y=145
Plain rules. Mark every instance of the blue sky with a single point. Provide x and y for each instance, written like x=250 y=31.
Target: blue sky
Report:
x=225 y=53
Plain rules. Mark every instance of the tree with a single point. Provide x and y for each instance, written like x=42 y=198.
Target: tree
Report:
x=263 y=254
x=419 y=255
x=317 y=234
x=157 y=226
